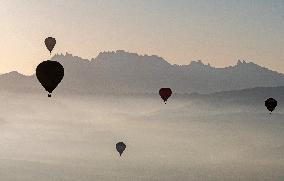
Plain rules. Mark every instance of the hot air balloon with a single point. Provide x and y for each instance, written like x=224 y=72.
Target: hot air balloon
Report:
x=165 y=93
x=270 y=104
x=49 y=73
x=50 y=43
x=120 y=147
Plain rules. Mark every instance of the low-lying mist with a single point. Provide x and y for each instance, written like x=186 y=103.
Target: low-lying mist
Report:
x=72 y=138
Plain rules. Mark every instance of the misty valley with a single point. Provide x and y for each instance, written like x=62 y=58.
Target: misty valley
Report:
x=73 y=137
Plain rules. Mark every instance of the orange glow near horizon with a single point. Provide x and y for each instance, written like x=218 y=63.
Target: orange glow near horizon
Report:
x=218 y=32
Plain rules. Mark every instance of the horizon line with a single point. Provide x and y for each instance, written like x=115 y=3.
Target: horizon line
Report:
x=238 y=61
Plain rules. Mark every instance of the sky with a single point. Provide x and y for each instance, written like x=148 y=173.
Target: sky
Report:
x=216 y=32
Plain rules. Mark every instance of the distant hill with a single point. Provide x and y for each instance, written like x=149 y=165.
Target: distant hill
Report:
x=123 y=72
x=249 y=97
x=16 y=82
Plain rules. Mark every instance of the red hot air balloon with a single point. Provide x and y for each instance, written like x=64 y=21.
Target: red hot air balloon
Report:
x=165 y=93
x=50 y=43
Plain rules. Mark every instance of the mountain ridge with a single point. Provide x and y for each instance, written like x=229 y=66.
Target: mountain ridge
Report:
x=124 y=72
x=195 y=63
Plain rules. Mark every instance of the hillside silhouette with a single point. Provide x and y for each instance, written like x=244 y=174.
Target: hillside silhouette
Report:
x=124 y=72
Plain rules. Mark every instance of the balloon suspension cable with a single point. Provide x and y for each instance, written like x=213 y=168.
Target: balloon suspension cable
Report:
x=49 y=95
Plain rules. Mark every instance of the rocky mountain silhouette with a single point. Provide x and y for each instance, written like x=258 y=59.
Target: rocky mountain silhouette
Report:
x=124 y=72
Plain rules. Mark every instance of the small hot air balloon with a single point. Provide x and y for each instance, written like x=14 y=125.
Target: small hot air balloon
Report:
x=165 y=93
x=50 y=43
x=270 y=104
x=49 y=73
x=120 y=147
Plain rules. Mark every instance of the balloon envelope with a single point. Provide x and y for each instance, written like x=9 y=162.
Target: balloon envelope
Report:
x=50 y=43
x=120 y=147
x=165 y=93
x=49 y=73
x=270 y=104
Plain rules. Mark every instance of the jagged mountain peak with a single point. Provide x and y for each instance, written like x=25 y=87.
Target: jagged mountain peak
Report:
x=122 y=56
x=199 y=64
x=131 y=73
x=68 y=58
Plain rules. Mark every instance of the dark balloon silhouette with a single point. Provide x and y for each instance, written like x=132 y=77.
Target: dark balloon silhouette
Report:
x=50 y=43
x=270 y=104
x=165 y=93
x=49 y=73
x=120 y=147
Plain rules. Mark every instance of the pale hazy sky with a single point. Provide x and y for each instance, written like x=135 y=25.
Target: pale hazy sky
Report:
x=217 y=32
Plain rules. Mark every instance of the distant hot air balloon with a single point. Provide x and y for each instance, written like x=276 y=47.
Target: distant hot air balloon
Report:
x=270 y=104
x=165 y=93
x=49 y=73
x=50 y=43
x=120 y=147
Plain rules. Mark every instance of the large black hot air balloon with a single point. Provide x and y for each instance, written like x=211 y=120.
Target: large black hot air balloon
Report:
x=49 y=73
x=165 y=93
x=50 y=43
x=120 y=147
x=270 y=104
